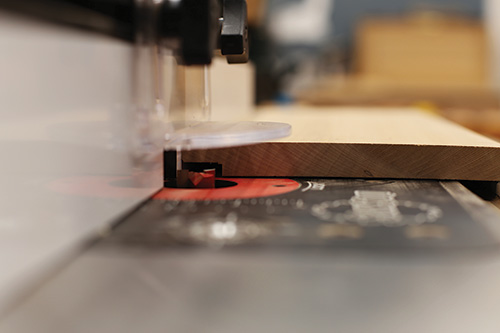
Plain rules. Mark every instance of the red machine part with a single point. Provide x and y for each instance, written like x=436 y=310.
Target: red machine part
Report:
x=245 y=188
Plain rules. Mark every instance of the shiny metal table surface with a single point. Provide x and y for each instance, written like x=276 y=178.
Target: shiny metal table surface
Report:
x=123 y=284
x=297 y=291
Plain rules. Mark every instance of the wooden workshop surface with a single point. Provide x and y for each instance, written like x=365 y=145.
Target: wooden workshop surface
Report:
x=361 y=142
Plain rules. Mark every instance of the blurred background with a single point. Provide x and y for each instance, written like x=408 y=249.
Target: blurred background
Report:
x=440 y=55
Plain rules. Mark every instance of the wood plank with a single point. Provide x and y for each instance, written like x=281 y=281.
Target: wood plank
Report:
x=361 y=143
x=439 y=50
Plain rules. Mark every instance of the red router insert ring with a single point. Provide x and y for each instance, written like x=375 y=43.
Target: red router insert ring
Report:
x=245 y=188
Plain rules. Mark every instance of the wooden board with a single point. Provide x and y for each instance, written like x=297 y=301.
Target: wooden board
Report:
x=361 y=143
x=404 y=60
x=430 y=49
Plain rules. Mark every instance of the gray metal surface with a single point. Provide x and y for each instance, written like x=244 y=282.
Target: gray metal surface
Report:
x=139 y=285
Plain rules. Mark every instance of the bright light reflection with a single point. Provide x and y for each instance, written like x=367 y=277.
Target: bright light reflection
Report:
x=223 y=230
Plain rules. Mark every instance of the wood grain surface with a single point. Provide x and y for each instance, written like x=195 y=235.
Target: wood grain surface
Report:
x=361 y=143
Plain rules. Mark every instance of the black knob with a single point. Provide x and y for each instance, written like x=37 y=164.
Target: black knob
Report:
x=199 y=27
x=234 y=32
